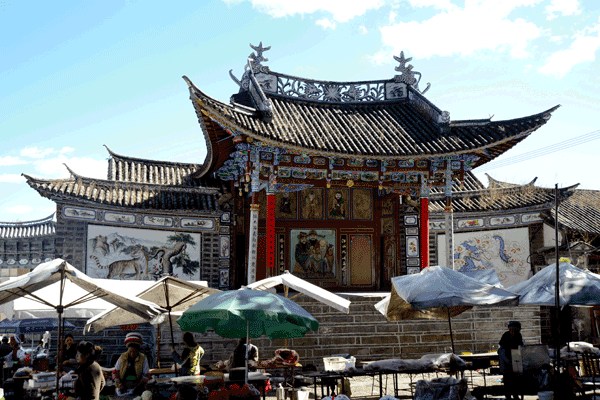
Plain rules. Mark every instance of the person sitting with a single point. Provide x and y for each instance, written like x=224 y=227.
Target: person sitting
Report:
x=16 y=356
x=131 y=372
x=186 y=392
x=511 y=340
x=243 y=350
x=90 y=378
x=69 y=354
x=189 y=361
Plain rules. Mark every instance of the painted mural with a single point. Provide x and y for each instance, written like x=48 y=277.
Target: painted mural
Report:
x=130 y=253
x=504 y=250
x=313 y=253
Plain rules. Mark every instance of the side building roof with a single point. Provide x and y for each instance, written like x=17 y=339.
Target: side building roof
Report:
x=136 y=184
x=499 y=196
x=28 y=229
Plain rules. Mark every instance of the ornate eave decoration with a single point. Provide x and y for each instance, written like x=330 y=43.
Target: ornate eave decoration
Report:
x=404 y=86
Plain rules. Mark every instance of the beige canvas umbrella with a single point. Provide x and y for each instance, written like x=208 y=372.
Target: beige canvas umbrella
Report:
x=439 y=293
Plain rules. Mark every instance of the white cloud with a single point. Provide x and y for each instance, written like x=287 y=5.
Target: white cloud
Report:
x=11 y=178
x=558 y=8
x=8 y=161
x=20 y=209
x=583 y=49
x=479 y=25
x=340 y=10
x=36 y=152
x=363 y=30
x=85 y=166
x=325 y=23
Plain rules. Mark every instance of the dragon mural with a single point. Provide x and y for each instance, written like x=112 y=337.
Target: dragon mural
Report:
x=493 y=250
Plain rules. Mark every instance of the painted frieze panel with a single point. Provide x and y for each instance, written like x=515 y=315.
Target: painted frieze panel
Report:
x=119 y=218
x=387 y=206
x=287 y=205
x=412 y=246
x=387 y=226
x=130 y=253
x=504 y=250
x=312 y=203
x=224 y=246
x=312 y=253
x=157 y=221
x=470 y=223
x=78 y=213
x=389 y=258
x=503 y=220
x=337 y=204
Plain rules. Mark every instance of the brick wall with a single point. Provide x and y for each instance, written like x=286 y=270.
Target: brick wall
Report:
x=367 y=335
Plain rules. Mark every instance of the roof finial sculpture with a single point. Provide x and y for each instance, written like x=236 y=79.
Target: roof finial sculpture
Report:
x=257 y=57
x=407 y=75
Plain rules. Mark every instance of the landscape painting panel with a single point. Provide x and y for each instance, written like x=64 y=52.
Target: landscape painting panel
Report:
x=130 y=253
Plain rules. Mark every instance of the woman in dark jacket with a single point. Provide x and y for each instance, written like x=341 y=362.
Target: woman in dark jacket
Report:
x=90 y=379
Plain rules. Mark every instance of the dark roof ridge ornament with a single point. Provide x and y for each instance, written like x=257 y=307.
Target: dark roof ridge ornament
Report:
x=254 y=64
x=407 y=75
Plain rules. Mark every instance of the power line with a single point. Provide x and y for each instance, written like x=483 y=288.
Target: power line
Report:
x=553 y=148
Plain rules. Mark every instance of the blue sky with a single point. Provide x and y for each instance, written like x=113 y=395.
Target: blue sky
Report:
x=75 y=76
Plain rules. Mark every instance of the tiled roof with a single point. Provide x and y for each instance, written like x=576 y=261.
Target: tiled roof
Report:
x=498 y=196
x=137 y=170
x=378 y=130
x=28 y=229
x=126 y=194
x=581 y=211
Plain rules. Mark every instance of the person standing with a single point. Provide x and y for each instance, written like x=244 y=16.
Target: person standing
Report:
x=238 y=359
x=90 y=379
x=510 y=340
x=69 y=353
x=5 y=348
x=130 y=373
x=189 y=360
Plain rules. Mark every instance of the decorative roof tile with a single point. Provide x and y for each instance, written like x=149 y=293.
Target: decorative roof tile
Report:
x=497 y=198
x=127 y=194
x=580 y=212
x=137 y=170
x=384 y=130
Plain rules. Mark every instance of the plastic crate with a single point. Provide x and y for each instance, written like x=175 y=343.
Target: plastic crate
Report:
x=338 y=363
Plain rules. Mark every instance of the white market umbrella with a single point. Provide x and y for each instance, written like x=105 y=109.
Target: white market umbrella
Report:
x=577 y=287
x=304 y=287
x=59 y=270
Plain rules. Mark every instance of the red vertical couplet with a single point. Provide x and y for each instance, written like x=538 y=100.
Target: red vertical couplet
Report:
x=424 y=232
x=270 y=233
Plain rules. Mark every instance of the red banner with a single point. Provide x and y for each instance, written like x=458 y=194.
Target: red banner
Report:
x=424 y=232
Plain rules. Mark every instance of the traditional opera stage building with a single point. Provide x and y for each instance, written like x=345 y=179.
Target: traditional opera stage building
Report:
x=332 y=180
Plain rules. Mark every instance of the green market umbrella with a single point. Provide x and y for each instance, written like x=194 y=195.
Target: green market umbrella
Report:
x=248 y=313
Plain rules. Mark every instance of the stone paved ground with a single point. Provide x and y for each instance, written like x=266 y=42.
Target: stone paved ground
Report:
x=363 y=388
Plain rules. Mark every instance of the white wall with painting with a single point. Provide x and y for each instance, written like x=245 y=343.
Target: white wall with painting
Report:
x=129 y=253
x=505 y=250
